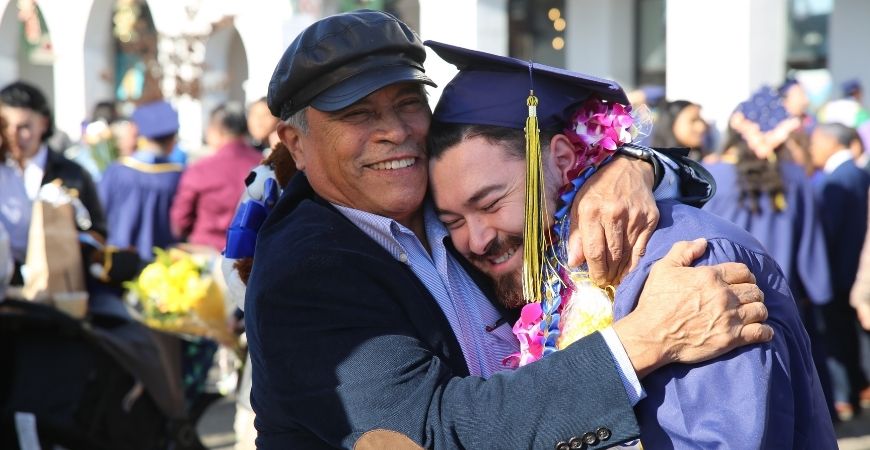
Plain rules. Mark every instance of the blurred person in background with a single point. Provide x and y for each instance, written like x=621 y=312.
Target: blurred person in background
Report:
x=773 y=200
x=679 y=124
x=137 y=191
x=97 y=148
x=209 y=190
x=14 y=213
x=126 y=135
x=853 y=90
x=797 y=103
x=841 y=193
x=262 y=126
x=28 y=123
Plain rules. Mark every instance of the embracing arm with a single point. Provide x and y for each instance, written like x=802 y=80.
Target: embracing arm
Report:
x=337 y=357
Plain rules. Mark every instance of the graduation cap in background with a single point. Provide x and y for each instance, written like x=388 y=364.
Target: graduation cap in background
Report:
x=508 y=92
x=764 y=108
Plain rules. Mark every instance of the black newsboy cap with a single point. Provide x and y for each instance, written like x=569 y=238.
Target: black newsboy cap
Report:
x=340 y=59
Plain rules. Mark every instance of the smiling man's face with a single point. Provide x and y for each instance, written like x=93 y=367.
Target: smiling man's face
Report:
x=479 y=192
x=371 y=155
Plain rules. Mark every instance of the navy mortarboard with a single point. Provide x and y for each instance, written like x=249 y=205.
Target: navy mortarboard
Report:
x=156 y=120
x=343 y=58
x=492 y=90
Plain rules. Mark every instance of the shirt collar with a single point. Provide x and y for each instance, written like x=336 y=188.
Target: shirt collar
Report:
x=385 y=230
x=837 y=159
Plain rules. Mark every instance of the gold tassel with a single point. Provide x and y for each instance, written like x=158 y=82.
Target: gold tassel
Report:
x=533 y=230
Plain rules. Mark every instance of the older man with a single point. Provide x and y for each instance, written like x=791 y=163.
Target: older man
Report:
x=367 y=330
x=766 y=396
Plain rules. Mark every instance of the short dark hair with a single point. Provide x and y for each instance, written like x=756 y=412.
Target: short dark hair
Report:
x=446 y=135
x=231 y=117
x=25 y=95
x=843 y=134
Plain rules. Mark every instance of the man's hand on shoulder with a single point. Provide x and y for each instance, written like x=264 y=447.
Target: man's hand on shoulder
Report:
x=692 y=314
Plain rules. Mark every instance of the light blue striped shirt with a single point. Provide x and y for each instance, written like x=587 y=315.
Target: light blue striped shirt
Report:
x=469 y=312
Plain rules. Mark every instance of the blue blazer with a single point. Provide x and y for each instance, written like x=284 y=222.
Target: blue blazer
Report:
x=350 y=350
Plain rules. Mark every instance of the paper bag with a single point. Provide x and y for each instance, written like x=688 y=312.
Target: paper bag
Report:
x=54 y=260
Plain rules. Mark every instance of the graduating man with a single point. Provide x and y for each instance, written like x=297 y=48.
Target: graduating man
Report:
x=763 y=396
x=367 y=331
x=137 y=191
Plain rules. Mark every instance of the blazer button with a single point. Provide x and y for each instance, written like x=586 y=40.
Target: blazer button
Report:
x=603 y=433
x=589 y=438
x=562 y=445
x=575 y=443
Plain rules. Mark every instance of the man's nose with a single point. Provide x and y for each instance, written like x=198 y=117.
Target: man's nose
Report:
x=393 y=128
x=480 y=236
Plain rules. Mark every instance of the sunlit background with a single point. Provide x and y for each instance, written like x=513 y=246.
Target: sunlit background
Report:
x=199 y=53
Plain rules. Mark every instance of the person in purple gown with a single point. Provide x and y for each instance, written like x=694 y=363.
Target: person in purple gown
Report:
x=137 y=191
x=761 y=396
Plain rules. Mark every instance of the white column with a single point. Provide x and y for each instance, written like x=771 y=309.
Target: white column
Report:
x=476 y=24
x=849 y=36
x=66 y=22
x=599 y=38
x=720 y=51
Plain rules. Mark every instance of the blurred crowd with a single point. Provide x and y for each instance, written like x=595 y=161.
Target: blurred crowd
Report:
x=796 y=179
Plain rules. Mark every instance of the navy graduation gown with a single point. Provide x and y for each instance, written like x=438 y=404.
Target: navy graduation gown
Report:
x=793 y=237
x=137 y=196
x=764 y=396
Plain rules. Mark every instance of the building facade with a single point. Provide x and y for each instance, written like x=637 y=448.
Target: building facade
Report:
x=199 y=53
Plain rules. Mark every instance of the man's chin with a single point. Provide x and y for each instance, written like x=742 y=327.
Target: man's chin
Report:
x=509 y=291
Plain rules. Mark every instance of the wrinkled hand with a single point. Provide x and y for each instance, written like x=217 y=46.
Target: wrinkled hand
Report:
x=692 y=314
x=613 y=216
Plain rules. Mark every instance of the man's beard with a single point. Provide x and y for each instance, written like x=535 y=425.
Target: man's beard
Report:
x=509 y=286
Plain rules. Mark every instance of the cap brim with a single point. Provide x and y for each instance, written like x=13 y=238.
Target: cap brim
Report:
x=355 y=88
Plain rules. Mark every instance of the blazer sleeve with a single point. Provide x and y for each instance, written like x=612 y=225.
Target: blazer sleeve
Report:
x=334 y=355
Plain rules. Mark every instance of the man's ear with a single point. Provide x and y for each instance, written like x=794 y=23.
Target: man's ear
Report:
x=291 y=137
x=562 y=157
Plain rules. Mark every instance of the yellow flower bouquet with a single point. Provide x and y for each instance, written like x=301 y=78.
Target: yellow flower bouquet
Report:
x=177 y=293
